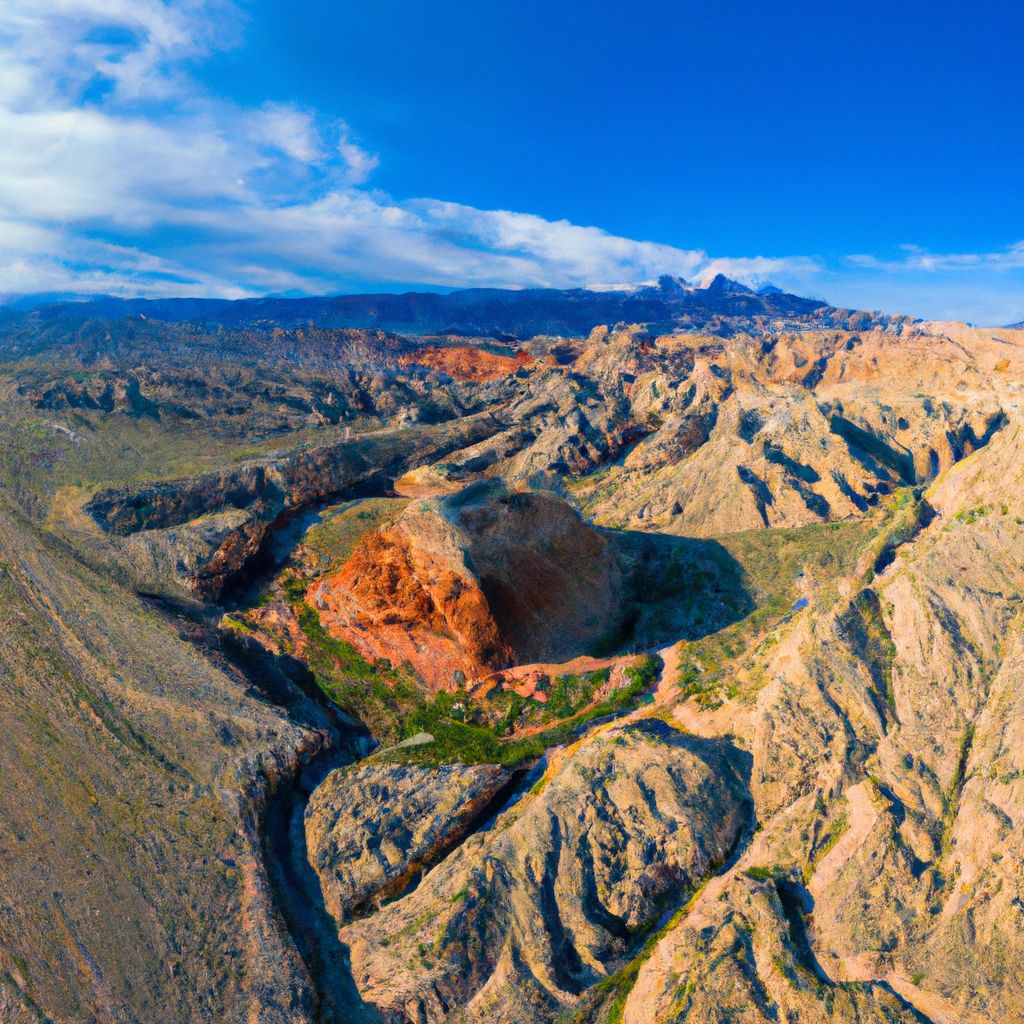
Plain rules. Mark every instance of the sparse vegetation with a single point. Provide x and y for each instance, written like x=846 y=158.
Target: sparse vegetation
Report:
x=956 y=785
x=480 y=744
x=343 y=526
x=776 y=565
x=392 y=705
x=971 y=515
x=834 y=833
x=612 y=993
x=567 y=696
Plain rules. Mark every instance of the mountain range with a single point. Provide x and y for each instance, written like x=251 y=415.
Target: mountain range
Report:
x=483 y=312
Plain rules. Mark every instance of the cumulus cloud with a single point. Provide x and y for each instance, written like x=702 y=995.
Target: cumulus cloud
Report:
x=110 y=146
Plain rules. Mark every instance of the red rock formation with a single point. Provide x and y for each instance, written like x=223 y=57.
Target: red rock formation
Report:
x=406 y=599
x=468 y=363
x=471 y=584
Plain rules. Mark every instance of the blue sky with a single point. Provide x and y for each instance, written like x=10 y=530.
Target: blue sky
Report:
x=868 y=153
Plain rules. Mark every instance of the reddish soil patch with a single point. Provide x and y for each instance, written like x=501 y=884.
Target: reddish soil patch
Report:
x=467 y=362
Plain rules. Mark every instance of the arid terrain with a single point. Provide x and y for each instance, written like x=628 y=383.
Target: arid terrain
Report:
x=629 y=657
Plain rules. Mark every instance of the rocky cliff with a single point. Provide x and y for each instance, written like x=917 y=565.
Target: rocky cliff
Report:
x=462 y=586
x=371 y=830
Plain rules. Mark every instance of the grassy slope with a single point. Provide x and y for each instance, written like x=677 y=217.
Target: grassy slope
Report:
x=121 y=834
x=781 y=567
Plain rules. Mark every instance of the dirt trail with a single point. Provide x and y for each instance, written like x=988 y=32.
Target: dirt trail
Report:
x=928 y=1004
x=584 y=663
x=664 y=692
x=861 y=817
x=667 y=689
x=862 y=814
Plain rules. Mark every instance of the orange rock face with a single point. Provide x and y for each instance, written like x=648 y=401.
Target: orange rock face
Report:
x=398 y=600
x=461 y=587
x=467 y=363
x=277 y=630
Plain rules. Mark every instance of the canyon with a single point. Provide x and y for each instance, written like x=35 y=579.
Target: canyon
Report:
x=634 y=657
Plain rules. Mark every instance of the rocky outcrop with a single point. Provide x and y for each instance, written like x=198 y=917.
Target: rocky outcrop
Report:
x=809 y=429
x=690 y=433
x=463 y=585
x=203 y=554
x=277 y=485
x=748 y=956
x=523 y=918
x=213 y=524
x=370 y=830
x=408 y=595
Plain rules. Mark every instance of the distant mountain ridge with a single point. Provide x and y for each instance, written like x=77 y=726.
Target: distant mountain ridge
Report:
x=486 y=312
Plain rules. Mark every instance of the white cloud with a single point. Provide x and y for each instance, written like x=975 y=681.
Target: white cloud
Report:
x=760 y=270
x=359 y=163
x=915 y=258
x=288 y=130
x=57 y=48
x=106 y=138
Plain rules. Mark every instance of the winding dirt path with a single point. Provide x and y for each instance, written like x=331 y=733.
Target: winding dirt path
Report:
x=861 y=817
x=930 y=1006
